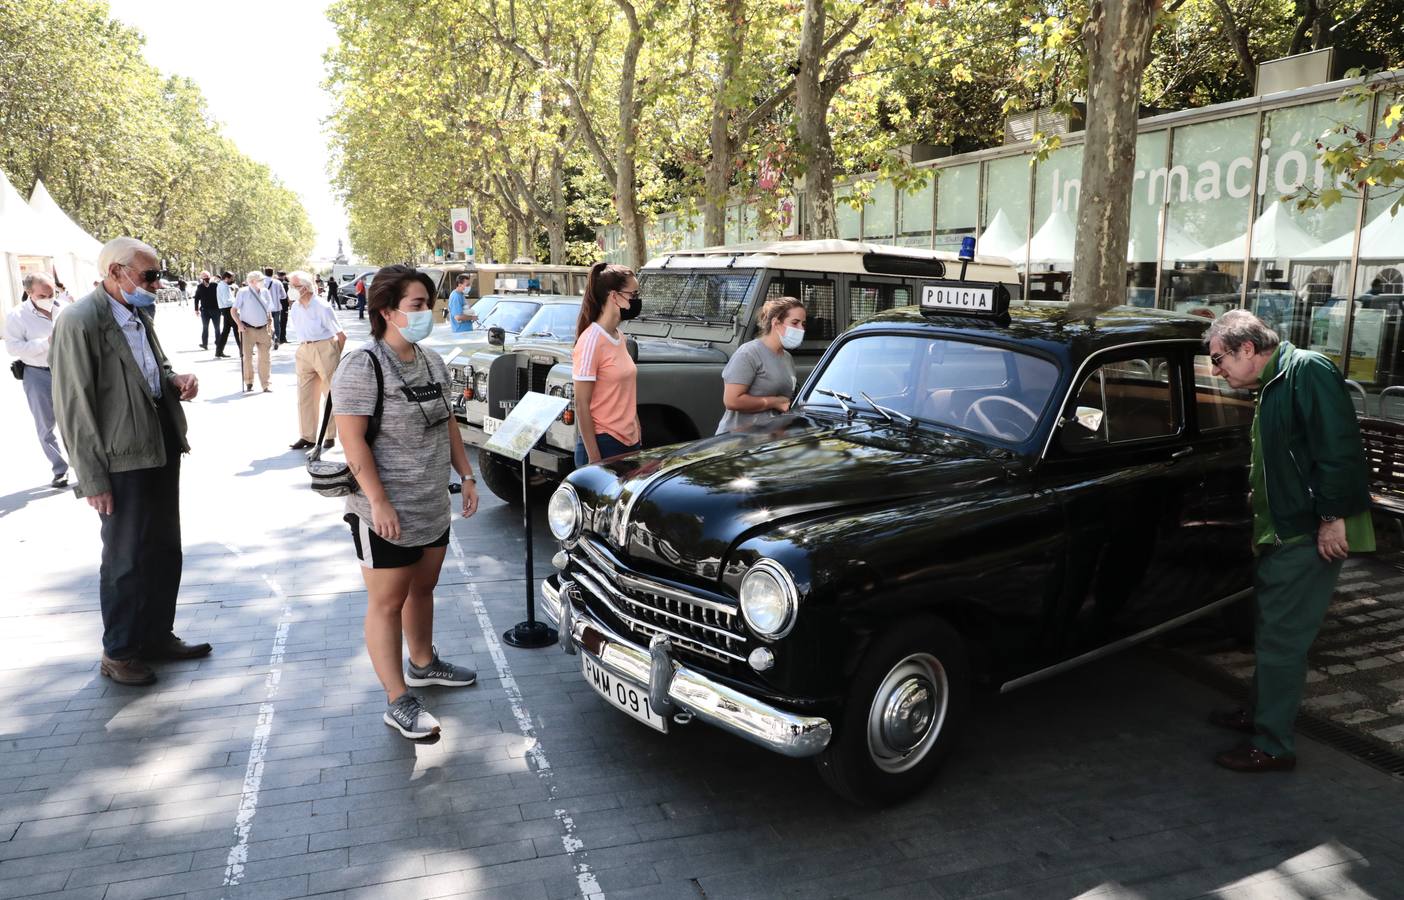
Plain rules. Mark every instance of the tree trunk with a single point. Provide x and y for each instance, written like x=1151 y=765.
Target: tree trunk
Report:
x=812 y=128
x=717 y=179
x=1237 y=38
x=1117 y=37
x=556 y=223
x=626 y=197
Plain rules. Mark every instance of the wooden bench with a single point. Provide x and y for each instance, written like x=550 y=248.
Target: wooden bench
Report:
x=1384 y=455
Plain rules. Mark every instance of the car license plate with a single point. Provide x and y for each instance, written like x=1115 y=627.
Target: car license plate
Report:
x=490 y=425
x=625 y=695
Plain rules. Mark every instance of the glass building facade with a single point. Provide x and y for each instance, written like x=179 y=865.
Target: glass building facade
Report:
x=1209 y=228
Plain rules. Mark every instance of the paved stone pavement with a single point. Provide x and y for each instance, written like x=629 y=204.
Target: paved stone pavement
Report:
x=264 y=771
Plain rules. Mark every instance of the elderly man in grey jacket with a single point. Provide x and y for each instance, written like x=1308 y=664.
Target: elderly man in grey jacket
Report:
x=117 y=401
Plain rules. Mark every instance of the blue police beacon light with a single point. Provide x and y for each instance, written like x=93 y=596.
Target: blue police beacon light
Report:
x=967 y=253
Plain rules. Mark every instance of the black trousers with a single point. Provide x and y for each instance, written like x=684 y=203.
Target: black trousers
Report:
x=208 y=319
x=141 y=554
x=226 y=325
x=280 y=324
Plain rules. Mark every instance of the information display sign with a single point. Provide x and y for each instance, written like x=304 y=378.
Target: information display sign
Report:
x=525 y=424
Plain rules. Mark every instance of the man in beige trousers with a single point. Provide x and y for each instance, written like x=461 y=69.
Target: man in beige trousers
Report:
x=253 y=317
x=320 y=341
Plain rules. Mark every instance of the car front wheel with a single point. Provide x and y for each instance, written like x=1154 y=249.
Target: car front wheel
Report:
x=906 y=705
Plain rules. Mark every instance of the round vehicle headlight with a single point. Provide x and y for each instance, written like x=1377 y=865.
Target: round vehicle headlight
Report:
x=769 y=600
x=563 y=513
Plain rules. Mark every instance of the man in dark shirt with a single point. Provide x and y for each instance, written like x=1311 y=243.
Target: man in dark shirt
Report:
x=207 y=308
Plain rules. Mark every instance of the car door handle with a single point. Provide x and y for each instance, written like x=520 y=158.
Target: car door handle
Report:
x=1182 y=453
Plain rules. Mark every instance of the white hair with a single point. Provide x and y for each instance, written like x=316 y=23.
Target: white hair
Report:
x=255 y=275
x=38 y=278
x=304 y=279
x=121 y=251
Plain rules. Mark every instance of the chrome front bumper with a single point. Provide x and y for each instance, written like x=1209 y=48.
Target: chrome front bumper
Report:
x=674 y=688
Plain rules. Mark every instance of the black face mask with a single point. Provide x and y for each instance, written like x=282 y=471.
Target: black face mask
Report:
x=635 y=307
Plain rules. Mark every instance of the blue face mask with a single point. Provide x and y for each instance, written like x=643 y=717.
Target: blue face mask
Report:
x=791 y=338
x=139 y=296
x=417 y=325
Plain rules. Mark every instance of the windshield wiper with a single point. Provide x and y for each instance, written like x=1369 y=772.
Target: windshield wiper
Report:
x=840 y=396
x=890 y=414
x=549 y=334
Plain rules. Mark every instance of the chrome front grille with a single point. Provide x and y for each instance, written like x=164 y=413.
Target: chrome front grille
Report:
x=694 y=624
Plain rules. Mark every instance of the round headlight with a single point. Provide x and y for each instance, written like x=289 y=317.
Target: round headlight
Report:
x=563 y=513
x=769 y=600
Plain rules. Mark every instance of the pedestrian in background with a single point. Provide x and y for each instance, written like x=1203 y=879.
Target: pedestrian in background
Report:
x=253 y=310
x=460 y=317
x=332 y=296
x=759 y=381
x=28 y=330
x=117 y=402
x=400 y=516
x=1311 y=508
x=224 y=294
x=360 y=298
x=207 y=308
x=606 y=379
x=277 y=306
x=320 y=340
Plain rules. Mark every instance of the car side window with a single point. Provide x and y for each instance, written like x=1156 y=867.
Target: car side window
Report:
x=866 y=300
x=1216 y=404
x=1123 y=401
x=817 y=295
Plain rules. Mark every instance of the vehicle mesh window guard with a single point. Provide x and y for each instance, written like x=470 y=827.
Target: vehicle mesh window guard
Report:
x=865 y=300
x=818 y=299
x=715 y=297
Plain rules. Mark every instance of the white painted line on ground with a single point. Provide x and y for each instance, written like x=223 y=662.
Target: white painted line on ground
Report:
x=258 y=747
x=536 y=756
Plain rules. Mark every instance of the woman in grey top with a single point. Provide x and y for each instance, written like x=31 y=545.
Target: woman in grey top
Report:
x=759 y=381
x=400 y=515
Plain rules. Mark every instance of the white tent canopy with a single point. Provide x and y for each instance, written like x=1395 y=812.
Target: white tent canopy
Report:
x=1275 y=236
x=1054 y=241
x=1000 y=239
x=77 y=252
x=22 y=233
x=1382 y=238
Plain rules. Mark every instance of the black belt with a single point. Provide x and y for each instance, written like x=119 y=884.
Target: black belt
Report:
x=33 y=366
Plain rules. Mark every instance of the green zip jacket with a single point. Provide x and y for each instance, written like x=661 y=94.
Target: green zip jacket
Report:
x=104 y=407
x=1313 y=463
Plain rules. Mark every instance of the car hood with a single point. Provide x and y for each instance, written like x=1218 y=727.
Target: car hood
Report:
x=686 y=507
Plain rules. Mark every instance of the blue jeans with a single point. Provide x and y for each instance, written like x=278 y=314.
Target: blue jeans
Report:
x=38 y=390
x=609 y=446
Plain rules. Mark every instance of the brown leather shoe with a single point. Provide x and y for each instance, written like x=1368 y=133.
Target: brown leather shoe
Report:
x=174 y=648
x=1238 y=719
x=127 y=671
x=1248 y=758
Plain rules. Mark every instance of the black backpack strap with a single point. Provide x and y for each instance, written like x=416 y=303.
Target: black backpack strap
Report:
x=373 y=427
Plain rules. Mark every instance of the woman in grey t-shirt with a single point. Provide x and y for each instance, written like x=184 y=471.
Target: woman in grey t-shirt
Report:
x=400 y=515
x=759 y=381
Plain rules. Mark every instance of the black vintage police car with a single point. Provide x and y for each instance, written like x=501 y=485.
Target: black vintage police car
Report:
x=964 y=493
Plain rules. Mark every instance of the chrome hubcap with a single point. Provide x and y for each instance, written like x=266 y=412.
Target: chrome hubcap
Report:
x=907 y=713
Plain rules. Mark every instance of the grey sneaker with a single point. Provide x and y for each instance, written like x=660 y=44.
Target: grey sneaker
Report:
x=410 y=718
x=439 y=672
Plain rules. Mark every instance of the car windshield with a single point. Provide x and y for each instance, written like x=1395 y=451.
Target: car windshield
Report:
x=704 y=296
x=555 y=319
x=510 y=315
x=994 y=392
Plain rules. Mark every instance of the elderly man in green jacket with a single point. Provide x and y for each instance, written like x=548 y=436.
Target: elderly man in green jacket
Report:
x=117 y=402
x=1311 y=508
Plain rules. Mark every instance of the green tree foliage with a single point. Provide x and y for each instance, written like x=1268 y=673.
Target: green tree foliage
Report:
x=126 y=150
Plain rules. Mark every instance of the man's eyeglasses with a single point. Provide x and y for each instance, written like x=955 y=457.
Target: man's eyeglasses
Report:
x=147 y=275
x=1217 y=358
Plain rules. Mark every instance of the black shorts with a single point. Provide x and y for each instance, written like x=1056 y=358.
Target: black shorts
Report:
x=375 y=552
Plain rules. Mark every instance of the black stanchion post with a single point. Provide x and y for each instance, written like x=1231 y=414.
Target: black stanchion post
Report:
x=530 y=634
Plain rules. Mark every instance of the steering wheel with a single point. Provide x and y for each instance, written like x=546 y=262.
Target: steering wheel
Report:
x=1017 y=430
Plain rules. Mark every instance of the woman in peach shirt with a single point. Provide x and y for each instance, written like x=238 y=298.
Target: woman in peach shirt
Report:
x=606 y=379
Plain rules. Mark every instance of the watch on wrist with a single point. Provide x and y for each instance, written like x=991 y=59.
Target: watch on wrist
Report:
x=470 y=477
x=1327 y=520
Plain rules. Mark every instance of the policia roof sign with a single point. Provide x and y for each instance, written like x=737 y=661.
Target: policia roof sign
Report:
x=964 y=297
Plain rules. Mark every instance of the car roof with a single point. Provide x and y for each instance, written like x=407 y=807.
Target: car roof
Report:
x=853 y=257
x=535 y=298
x=1051 y=327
